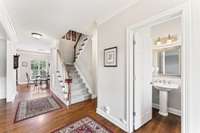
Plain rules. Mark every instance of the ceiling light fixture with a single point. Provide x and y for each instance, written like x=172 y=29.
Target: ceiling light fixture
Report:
x=36 y=35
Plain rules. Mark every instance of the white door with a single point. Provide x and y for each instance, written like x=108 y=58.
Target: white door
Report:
x=143 y=77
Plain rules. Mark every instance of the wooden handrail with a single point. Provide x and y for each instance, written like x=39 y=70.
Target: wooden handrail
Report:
x=76 y=46
x=69 y=82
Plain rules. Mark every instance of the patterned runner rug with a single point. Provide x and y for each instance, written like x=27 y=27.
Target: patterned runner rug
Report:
x=85 y=125
x=31 y=108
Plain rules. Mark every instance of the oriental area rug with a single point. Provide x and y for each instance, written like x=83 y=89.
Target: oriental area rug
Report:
x=84 y=125
x=31 y=108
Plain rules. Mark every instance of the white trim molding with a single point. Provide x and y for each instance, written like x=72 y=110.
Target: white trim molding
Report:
x=183 y=11
x=170 y=110
x=23 y=83
x=114 y=120
x=11 y=90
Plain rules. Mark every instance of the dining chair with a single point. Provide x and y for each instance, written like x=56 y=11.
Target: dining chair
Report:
x=29 y=81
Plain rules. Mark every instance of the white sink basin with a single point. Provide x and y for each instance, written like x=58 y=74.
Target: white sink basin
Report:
x=166 y=86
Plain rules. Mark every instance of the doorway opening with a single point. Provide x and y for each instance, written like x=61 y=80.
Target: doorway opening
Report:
x=156 y=69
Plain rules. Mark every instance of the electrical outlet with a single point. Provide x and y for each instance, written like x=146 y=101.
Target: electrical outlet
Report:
x=122 y=120
x=106 y=109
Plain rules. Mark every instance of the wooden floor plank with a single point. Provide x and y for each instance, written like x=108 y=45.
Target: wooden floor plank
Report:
x=49 y=122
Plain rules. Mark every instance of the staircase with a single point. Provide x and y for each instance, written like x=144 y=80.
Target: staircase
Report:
x=79 y=47
x=79 y=91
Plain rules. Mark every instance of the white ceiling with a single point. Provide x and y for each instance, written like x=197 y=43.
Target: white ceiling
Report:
x=55 y=17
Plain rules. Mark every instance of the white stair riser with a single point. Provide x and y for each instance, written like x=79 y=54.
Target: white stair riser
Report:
x=76 y=81
x=80 y=99
x=79 y=85
x=79 y=92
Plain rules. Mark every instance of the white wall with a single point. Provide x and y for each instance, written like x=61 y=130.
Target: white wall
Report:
x=66 y=48
x=53 y=68
x=193 y=89
x=27 y=56
x=112 y=81
x=172 y=27
x=2 y=62
x=10 y=73
x=2 y=69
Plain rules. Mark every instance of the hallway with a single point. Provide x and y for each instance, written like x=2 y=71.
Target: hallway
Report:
x=50 y=121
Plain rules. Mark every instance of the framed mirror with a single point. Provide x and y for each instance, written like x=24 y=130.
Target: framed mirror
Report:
x=168 y=61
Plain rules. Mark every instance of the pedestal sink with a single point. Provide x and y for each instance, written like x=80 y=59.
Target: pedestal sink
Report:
x=164 y=87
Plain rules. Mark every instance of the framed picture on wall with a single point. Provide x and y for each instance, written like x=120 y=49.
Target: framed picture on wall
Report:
x=16 y=61
x=110 y=57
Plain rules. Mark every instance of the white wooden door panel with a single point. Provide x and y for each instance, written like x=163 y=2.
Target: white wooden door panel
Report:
x=143 y=74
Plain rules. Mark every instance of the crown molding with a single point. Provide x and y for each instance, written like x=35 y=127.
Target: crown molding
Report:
x=7 y=23
x=29 y=51
x=108 y=17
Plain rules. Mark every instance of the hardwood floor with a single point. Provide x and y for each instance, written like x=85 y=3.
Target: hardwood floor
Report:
x=49 y=122
x=160 y=124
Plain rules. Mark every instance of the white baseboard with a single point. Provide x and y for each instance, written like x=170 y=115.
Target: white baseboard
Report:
x=170 y=110
x=112 y=119
x=22 y=83
x=94 y=96
x=11 y=98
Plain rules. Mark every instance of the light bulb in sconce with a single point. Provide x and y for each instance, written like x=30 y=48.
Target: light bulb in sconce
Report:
x=158 y=42
x=169 y=39
x=156 y=69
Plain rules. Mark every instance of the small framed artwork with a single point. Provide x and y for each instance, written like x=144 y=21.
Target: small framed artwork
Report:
x=16 y=61
x=24 y=64
x=110 y=57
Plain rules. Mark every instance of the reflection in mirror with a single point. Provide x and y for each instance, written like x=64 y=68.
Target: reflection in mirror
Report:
x=160 y=63
x=172 y=64
x=168 y=62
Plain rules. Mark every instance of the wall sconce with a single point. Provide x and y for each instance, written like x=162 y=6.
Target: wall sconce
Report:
x=166 y=40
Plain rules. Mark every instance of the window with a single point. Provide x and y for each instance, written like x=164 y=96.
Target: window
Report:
x=38 y=68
